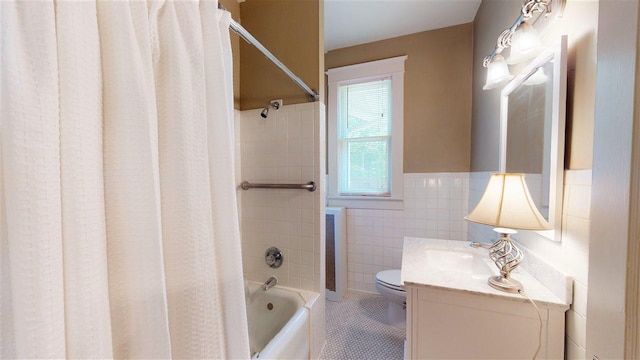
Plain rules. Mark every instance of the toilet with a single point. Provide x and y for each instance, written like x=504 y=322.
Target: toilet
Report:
x=389 y=286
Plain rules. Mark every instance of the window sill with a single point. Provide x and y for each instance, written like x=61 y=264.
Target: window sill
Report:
x=366 y=202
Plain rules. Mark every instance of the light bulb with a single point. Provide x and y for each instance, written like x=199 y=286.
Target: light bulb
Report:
x=525 y=44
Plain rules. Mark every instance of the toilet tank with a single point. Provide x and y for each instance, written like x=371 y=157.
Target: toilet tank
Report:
x=336 y=253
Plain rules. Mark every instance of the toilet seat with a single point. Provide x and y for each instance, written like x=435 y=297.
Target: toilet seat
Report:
x=390 y=279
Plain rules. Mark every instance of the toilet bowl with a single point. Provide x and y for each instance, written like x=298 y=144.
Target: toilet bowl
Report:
x=388 y=285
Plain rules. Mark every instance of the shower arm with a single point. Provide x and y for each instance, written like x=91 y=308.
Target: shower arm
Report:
x=244 y=34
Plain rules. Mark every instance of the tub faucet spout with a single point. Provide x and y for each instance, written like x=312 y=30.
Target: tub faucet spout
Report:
x=270 y=283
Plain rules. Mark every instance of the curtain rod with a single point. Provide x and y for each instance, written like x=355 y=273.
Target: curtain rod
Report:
x=244 y=34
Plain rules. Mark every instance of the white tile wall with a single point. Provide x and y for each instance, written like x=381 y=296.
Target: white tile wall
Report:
x=374 y=243
x=434 y=207
x=320 y=159
x=476 y=232
x=575 y=240
x=283 y=148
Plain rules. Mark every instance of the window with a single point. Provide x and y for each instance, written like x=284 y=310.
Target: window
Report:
x=365 y=134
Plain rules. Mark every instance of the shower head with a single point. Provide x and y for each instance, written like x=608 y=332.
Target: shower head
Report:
x=273 y=104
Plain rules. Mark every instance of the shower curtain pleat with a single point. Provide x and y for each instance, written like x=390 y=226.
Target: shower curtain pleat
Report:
x=119 y=231
x=31 y=171
x=7 y=332
x=86 y=290
x=7 y=338
x=192 y=277
x=219 y=90
x=132 y=186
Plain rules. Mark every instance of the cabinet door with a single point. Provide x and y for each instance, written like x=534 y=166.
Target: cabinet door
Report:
x=458 y=325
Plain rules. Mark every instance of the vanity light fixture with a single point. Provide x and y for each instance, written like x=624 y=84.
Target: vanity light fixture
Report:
x=522 y=37
x=497 y=73
x=525 y=44
x=507 y=205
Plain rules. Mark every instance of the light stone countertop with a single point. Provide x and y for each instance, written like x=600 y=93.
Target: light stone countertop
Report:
x=418 y=269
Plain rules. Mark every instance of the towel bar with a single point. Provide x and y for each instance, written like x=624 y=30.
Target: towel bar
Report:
x=311 y=186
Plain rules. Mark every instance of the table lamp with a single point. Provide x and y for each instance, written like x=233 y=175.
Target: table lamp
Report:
x=507 y=205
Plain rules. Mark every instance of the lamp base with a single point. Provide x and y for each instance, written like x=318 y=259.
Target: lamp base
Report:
x=505 y=284
x=506 y=255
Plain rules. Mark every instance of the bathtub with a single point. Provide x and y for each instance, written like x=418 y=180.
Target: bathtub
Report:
x=278 y=322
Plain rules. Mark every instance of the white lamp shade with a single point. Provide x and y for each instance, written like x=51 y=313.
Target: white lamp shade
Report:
x=525 y=44
x=506 y=203
x=497 y=72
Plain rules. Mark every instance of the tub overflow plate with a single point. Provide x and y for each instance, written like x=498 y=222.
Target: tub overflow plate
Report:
x=273 y=257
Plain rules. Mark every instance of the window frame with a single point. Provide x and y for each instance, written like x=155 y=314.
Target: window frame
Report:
x=343 y=141
x=358 y=73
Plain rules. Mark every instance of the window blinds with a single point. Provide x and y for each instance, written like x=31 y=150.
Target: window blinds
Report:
x=364 y=118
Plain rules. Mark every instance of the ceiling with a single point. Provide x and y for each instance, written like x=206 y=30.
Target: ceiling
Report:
x=353 y=22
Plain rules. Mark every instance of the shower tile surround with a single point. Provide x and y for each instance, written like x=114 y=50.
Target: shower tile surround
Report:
x=282 y=149
x=286 y=147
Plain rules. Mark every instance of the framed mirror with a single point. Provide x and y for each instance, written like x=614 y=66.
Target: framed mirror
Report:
x=532 y=127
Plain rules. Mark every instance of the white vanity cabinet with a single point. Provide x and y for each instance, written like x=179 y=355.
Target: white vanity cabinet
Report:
x=451 y=324
x=452 y=313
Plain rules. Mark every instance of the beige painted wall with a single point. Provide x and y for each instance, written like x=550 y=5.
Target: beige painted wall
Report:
x=580 y=23
x=234 y=8
x=290 y=30
x=437 y=96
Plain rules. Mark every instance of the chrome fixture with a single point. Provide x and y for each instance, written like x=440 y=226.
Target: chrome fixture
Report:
x=246 y=36
x=273 y=257
x=273 y=281
x=311 y=186
x=507 y=204
x=525 y=31
x=275 y=104
x=477 y=245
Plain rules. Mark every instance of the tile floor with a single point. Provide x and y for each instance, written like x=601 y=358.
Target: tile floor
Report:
x=357 y=329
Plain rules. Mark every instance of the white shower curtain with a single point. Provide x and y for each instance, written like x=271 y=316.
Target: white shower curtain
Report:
x=118 y=223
